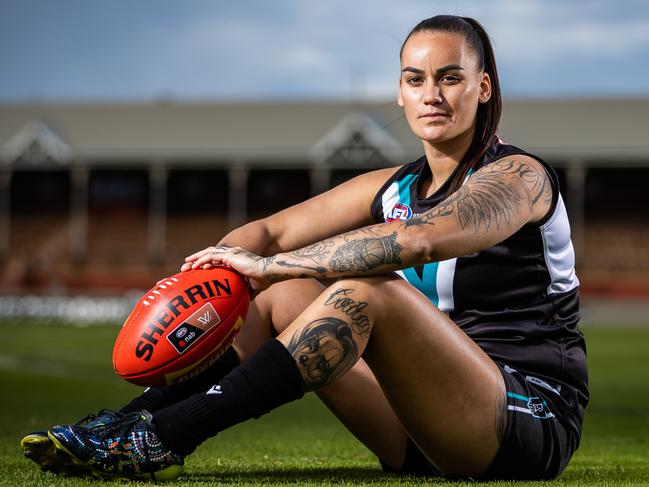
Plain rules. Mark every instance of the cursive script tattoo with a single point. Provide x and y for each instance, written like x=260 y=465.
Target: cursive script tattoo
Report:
x=340 y=300
x=364 y=254
x=324 y=350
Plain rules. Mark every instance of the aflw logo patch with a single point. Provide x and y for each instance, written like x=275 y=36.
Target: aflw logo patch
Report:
x=400 y=211
x=205 y=319
x=188 y=333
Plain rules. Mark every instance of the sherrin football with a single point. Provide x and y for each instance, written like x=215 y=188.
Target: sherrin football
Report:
x=181 y=326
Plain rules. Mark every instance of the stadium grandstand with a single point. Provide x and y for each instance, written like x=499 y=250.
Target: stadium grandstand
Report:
x=103 y=198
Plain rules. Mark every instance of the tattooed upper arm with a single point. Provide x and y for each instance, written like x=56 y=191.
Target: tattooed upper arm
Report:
x=532 y=176
x=496 y=201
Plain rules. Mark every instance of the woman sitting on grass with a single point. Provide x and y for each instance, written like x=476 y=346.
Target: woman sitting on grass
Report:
x=448 y=344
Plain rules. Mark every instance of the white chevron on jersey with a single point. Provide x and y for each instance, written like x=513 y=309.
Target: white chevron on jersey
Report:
x=390 y=198
x=445 y=278
x=558 y=251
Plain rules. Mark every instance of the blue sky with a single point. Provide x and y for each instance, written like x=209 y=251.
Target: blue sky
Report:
x=89 y=50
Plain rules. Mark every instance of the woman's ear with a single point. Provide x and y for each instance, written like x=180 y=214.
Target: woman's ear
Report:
x=485 y=88
x=399 y=97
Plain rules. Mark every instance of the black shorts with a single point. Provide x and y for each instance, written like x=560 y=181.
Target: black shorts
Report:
x=536 y=445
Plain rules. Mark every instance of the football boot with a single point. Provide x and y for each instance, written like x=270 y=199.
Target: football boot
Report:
x=38 y=447
x=127 y=447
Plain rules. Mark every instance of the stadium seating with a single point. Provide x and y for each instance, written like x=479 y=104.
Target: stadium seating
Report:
x=614 y=258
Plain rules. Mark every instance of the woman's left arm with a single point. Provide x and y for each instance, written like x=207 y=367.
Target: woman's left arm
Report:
x=495 y=202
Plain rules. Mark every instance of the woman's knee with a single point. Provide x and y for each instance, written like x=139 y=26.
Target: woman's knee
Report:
x=284 y=301
x=273 y=310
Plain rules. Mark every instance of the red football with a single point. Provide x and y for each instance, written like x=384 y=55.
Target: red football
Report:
x=181 y=326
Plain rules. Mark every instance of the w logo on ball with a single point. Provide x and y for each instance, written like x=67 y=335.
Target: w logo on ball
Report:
x=205 y=319
x=400 y=211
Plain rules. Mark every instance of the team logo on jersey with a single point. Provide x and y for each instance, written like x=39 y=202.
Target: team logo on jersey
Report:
x=400 y=211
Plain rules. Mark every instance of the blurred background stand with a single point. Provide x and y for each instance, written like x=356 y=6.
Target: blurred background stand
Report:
x=101 y=198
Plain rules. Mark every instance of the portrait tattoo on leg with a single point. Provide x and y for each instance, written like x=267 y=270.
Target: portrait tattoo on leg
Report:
x=324 y=350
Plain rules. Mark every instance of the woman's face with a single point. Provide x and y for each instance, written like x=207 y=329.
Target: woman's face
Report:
x=441 y=85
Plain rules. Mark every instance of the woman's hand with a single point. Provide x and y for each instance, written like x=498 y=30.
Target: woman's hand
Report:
x=246 y=263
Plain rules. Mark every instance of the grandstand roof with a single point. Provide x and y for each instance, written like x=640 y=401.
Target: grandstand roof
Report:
x=594 y=130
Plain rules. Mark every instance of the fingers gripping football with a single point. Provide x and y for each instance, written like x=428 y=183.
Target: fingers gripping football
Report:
x=243 y=261
x=191 y=260
x=239 y=258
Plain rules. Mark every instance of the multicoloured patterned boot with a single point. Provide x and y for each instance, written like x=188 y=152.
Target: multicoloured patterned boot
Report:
x=38 y=447
x=127 y=447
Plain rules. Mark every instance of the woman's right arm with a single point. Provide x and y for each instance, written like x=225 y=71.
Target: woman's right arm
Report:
x=343 y=208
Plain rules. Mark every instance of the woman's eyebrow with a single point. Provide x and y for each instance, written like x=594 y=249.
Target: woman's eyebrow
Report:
x=413 y=70
x=442 y=70
x=449 y=67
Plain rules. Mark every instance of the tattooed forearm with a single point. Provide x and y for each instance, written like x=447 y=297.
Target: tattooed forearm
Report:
x=267 y=261
x=366 y=253
x=340 y=300
x=314 y=252
x=324 y=351
x=319 y=270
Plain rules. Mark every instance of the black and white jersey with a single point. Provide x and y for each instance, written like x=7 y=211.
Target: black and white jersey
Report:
x=518 y=300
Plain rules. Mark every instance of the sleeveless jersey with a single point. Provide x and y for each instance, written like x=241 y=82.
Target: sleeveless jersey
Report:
x=518 y=300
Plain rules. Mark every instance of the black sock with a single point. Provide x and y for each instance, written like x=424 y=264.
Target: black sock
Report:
x=267 y=380
x=155 y=398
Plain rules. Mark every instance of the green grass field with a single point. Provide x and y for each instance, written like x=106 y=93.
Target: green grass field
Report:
x=55 y=374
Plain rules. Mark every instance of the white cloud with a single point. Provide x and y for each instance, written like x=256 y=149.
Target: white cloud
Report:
x=340 y=48
x=533 y=43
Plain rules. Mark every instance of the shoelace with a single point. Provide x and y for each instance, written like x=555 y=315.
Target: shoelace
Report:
x=121 y=425
x=87 y=419
x=102 y=412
